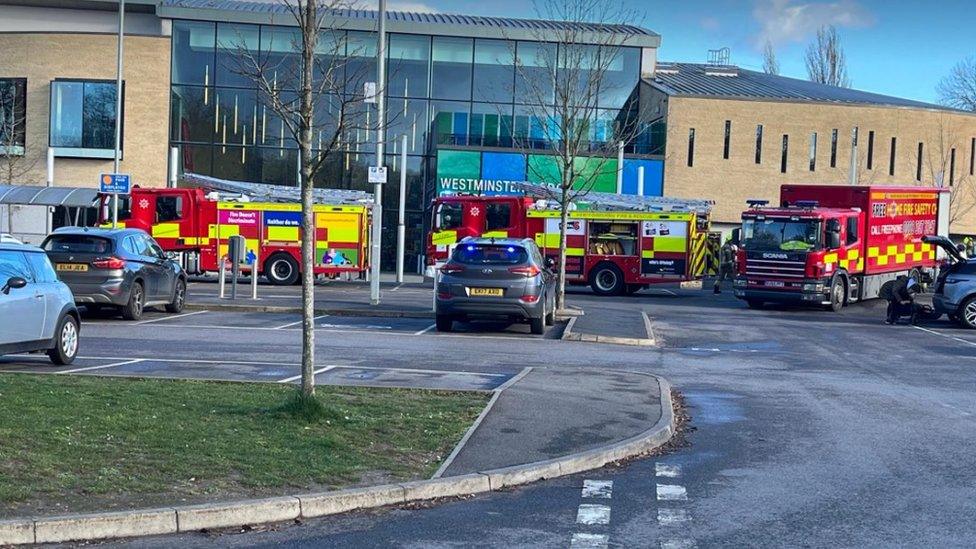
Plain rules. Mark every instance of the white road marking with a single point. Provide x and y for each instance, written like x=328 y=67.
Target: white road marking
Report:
x=114 y=364
x=671 y=492
x=398 y=286
x=940 y=334
x=169 y=317
x=360 y=328
x=597 y=488
x=283 y=326
x=589 y=514
x=425 y=330
x=678 y=544
x=666 y=517
x=314 y=373
x=670 y=471
x=191 y=360
x=647 y=326
x=420 y=371
x=589 y=541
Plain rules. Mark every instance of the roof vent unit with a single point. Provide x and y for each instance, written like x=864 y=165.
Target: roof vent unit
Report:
x=722 y=71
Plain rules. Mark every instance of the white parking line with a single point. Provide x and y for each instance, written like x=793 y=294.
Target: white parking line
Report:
x=666 y=517
x=671 y=492
x=314 y=373
x=648 y=326
x=422 y=371
x=597 y=489
x=189 y=360
x=170 y=317
x=589 y=541
x=283 y=326
x=940 y=334
x=114 y=364
x=678 y=544
x=670 y=471
x=590 y=514
x=425 y=330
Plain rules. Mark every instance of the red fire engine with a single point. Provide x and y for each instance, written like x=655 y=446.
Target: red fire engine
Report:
x=196 y=222
x=832 y=245
x=615 y=243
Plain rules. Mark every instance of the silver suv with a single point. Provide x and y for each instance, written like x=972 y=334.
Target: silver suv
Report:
x=955 y=289
x=37 y=311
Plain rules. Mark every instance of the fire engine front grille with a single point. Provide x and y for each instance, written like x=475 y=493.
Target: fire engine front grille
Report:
x=774 y=268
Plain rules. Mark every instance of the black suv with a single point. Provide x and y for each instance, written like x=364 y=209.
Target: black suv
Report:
x=119 y=268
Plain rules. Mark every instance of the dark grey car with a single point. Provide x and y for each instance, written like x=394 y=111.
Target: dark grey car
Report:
x=955 y=289
x=119 y=268
x=496 y=277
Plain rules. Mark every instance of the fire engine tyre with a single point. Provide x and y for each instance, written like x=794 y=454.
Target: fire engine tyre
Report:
x=838 y=294
x=967 y=313
x=65 y=342
x=755 y=304
x=607 y=279
x=137 y=301
x=634 y=288
x=281 y=269
x=179 y=298
x=445 y=323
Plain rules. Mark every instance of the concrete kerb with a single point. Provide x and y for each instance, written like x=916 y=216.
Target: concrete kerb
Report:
x=369 y=313
x=220 y=515
x=570 y=335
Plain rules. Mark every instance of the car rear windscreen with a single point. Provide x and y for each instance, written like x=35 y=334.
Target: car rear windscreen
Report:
x=78 y=244
x=490 y=254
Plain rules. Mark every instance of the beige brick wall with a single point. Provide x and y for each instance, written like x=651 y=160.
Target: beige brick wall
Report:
x=731 y=182
x=43 y=57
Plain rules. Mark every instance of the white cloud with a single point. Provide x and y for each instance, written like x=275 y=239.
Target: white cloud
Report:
x=785 y=21
x=407 y=5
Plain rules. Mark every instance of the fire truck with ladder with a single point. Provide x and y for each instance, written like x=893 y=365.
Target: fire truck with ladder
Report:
x=615 y=243
x=830 y=245
x=196 y=220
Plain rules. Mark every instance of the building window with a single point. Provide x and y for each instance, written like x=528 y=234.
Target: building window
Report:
x=691 y=147
x=891 y=159
x=193 y=52
x=870 y=150
x=494 y=70
x=918 y=166
x=83 y=118
x=786 y=152
x=833 y=149
x=13 y=116
x=621 y=73
x=952 y=167
x=972 y=156
x=728 y=137
x=813 y=151
x=533 y=80
x=451 y=69
x=409 y=57
x=759 y=130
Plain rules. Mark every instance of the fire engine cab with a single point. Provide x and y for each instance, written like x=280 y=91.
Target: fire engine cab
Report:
x=615 y=243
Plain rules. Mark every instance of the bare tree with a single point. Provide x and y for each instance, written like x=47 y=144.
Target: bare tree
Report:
x=770 y=63
x=561 y=78
x=14 y=164
x=942 y=165
x=825 y=59
x=316 y=92
x=958 y=88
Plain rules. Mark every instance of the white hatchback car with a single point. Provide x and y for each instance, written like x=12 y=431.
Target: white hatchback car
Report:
x=37 y=311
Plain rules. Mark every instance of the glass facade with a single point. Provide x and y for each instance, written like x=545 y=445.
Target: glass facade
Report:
x=83 y=117
x=441 y=92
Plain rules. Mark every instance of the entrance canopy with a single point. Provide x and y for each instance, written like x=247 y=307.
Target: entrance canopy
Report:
x=72 y=197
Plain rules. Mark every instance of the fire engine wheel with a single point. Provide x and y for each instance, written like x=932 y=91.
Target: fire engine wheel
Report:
x=838 y=294
x=281 y=270
x=607 y=280
x=967 y=313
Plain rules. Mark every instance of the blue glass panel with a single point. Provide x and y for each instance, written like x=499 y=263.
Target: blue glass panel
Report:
x=653 y=176
x=505 y=166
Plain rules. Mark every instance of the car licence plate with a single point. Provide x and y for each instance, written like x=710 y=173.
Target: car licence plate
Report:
x=491 y=292
x=76 y=267
x=775 y=284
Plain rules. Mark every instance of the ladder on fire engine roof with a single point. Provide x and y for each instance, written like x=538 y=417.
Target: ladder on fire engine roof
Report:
x=613 y=201
x=261 y=192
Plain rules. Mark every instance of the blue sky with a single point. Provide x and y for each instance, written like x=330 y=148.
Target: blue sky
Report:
x=894 y=47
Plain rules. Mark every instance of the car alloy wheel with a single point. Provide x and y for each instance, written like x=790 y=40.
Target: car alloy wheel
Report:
x=69 y=339
x=137 y=302
x=969 y=313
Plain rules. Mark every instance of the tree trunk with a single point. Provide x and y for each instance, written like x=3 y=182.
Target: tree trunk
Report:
x=563 y=219
x=308 y=216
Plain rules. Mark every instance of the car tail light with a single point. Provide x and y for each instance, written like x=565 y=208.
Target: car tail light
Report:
x=111 y=263
x=527 y=271
x=452 y=268
x=529 y=298
x=444 y=295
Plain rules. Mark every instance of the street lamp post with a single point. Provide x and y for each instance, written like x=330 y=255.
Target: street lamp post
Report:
x=118 y=111
x=374 y=281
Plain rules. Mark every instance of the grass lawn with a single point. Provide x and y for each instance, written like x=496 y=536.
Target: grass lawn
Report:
x=73 y=443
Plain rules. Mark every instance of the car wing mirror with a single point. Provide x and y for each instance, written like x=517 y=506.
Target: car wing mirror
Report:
x=13 y=283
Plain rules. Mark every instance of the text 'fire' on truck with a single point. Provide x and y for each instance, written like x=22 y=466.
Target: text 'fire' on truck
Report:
x=197 y=220
x=615 y=243
x=832 y=245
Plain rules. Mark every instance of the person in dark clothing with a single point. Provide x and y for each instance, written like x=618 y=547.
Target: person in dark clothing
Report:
x=901 y=298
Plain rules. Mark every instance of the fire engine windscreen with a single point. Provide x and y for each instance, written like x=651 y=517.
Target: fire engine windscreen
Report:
x=480 y=254
x=772 y=234
x=125 y=207
x=448 y=215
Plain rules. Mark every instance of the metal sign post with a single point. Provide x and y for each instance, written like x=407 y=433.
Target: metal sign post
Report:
x=254 y=275
x=374 y=283
x=118 y=111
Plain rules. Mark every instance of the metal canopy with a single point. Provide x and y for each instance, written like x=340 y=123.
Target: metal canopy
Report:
x=72 y=197
x=277 y=193
x=606 y=201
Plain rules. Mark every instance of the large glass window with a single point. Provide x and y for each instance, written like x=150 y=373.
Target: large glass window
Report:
x=13 y=115
x=491 y=125
x=234 y=44
x=534 y=78
x=409 y=57
x=280 y=55
x=450 y=122
x=192 y=114
x=237 y=118
x=533 y=128
x=193 y=52
x=620 y=77
x=361 y=61
x=451 y=69
x=577 y=64
x=407 y=117
x=83 y=117
x=494 y=70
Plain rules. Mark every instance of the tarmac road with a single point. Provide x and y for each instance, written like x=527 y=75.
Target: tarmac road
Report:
x=811 y=429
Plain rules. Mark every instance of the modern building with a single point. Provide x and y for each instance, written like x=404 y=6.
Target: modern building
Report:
x=710 y=131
